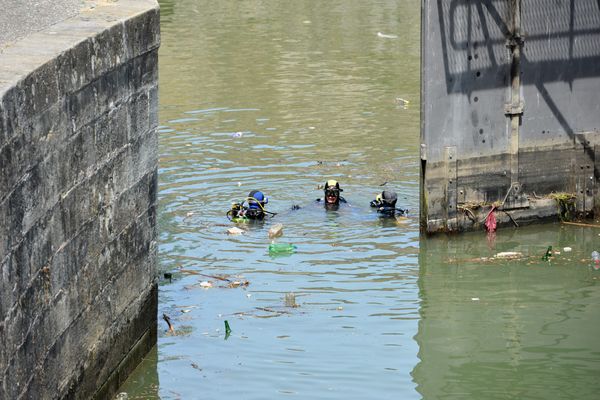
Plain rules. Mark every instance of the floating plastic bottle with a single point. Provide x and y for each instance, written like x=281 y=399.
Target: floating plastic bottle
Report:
x=548 y=254
x=596 y=259
x=281 y=248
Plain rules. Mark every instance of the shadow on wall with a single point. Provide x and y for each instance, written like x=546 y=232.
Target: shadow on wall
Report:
x=560 y=43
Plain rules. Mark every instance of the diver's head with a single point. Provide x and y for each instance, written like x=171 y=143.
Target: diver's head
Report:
x=388 y=198
x=332 y=192
x=256 y=199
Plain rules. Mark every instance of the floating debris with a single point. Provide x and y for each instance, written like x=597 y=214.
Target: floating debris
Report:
x=194 y=365
x=386 y=36
x=567 y=249
x=168 y=321
x=236 y=284
x=276 y=230
x=509 y=254
x=227 y=330
x=276 y=249
x=230 y=283
x=235 y=231
x=290 y=300
x=548 y=255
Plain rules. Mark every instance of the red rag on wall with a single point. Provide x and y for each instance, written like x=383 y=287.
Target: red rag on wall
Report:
x=490 y=221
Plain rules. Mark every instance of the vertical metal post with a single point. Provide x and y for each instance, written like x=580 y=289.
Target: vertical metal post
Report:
x=514 y=109
x=451 y=188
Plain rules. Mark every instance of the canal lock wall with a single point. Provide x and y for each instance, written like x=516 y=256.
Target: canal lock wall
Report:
x=78 y=190
x=510 y=112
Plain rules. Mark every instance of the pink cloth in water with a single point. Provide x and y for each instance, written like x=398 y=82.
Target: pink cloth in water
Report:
x=490 y=221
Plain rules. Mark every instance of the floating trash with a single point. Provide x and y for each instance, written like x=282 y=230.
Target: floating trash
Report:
x=386 y=36
x=290 y=300
x=509 y=254
x=596 y=259
x=276 y=230
x=235 y=231
x=168 y=321
x=548 y=255
x=227 y=330
x=281 y=248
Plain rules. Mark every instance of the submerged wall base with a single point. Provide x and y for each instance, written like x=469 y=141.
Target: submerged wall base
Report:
x=559 y=182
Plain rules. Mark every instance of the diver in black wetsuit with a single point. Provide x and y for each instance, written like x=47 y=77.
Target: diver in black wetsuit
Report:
x=332 y=197
x=254 y=210
x=385 y=203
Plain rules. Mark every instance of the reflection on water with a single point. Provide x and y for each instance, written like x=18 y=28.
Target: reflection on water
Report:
x=509 y=329
x=280 y=97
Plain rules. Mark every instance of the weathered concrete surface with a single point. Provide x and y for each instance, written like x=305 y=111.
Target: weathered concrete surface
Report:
x=78 y=181
x=24 y=17
x=509 y=109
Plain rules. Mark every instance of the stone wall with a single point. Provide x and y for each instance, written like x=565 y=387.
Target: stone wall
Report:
x=78 y=182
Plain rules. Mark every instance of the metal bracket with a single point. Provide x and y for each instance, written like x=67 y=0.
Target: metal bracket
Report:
x=513 y=109
x=515 y=198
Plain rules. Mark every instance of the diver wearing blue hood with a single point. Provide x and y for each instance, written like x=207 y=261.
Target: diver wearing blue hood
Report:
x=252 y=208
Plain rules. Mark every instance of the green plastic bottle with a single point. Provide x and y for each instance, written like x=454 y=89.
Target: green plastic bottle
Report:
x=281 y=248
x=548 y=254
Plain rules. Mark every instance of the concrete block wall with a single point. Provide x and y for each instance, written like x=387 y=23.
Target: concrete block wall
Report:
x=78 y=182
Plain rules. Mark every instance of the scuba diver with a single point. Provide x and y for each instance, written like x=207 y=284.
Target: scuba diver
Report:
x=332 y=197
x=385 y=203
x=252 y=208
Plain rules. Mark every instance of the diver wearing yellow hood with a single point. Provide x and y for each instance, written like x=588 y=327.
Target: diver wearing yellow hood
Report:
x=332 y=191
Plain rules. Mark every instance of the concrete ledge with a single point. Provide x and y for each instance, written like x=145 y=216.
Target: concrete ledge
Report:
x=78 y=181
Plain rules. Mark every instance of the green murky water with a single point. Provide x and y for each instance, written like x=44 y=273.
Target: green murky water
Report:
x=280 y=97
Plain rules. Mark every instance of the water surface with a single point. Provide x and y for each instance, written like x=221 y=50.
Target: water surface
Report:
x=280 y=97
